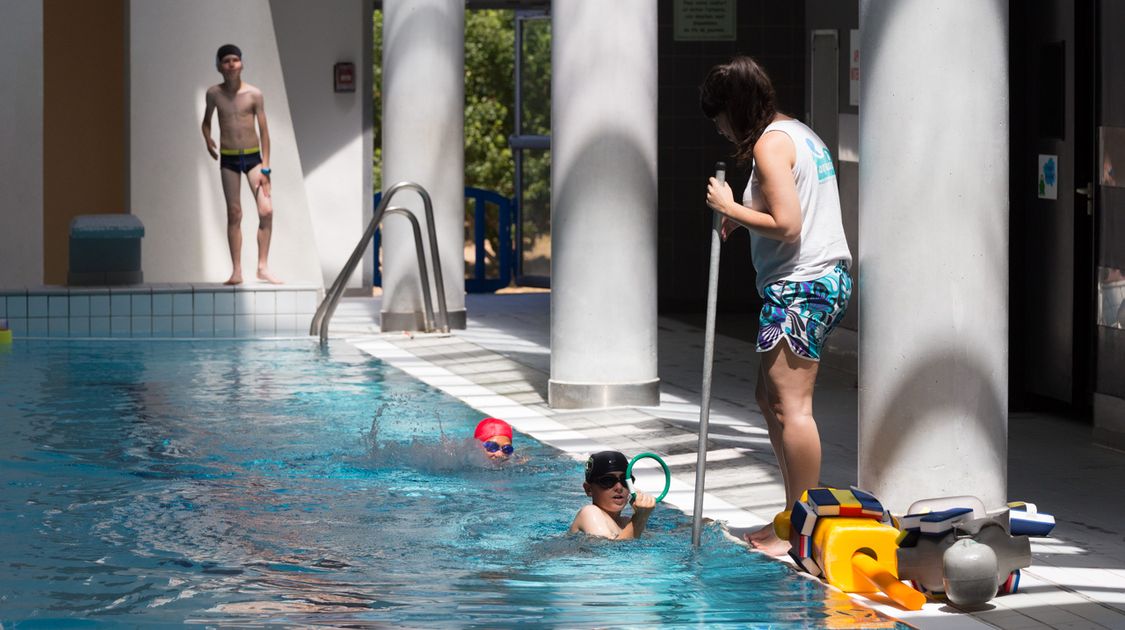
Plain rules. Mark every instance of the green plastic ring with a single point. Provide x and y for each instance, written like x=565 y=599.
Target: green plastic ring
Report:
x=667 y=474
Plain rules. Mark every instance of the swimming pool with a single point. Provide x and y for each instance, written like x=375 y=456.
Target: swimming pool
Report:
x=261 y=482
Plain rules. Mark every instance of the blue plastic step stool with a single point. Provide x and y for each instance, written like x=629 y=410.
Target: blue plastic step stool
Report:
x=105 y=249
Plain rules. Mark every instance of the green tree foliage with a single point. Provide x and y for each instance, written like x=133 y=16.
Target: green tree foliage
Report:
x=535 y=215
x=489 y=98
x=377 y=99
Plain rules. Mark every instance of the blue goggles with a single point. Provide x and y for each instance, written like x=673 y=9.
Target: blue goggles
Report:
x=492 y=447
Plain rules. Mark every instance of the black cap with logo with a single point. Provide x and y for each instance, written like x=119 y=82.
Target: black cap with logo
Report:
x=604 y=462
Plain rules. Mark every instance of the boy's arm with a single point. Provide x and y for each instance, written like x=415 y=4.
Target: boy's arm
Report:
x=263 y=130
x=209 y=101
x=587 y=521
x=642 y=509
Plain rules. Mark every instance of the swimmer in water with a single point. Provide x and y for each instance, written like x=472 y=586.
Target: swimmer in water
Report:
x=495 y=437
x=605 y=485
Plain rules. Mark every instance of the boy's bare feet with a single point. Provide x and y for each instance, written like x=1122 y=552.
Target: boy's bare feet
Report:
x=235 y=278
x=766 y=541
x=264 y=274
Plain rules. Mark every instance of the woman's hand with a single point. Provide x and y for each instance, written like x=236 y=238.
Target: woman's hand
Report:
x=719 y=195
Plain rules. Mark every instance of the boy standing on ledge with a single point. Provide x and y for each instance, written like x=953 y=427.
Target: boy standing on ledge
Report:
x=241 y=153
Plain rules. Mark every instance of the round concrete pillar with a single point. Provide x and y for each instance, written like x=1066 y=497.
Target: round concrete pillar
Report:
x=423 y=142
x=933 y=233
x=603 y=204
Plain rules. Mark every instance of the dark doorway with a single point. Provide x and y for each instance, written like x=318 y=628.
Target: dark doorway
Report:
x=1052 y=273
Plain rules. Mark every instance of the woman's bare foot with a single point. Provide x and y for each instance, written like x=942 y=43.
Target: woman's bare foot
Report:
x=766 y=541
x=235 y=278
x=264 y=274
x=762 y=533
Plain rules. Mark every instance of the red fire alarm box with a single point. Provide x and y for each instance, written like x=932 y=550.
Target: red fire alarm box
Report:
x=344 y=73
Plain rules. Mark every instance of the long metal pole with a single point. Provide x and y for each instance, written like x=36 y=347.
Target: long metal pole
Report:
x=708 y=362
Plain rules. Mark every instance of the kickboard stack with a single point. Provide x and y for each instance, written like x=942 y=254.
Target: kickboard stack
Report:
x=820 y=502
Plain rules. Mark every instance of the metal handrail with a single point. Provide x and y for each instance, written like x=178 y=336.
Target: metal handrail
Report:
x=319 y=325
x=423 y=273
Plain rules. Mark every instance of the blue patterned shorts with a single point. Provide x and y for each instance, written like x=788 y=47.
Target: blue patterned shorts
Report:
x=804 y=312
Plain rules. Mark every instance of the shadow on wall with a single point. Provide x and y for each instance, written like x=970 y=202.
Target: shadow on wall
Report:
x=915 y=402
x=936 y=175
x=316 y=107
x=607 y=165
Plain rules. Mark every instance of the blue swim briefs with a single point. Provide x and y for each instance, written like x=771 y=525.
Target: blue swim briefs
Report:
x=241 y=162
x=804 y=312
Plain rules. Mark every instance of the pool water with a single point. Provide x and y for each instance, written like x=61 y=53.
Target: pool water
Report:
x=260 y=482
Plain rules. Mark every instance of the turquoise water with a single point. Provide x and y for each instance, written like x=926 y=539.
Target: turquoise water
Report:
x=259 y=483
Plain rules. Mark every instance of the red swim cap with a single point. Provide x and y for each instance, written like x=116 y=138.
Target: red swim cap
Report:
x=491 y=427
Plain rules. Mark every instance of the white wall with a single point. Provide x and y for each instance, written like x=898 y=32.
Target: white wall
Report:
x=21 y=142
x=175 y=186
x=331 y=130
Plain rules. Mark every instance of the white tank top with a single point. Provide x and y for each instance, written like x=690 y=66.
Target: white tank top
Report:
x=822 y=244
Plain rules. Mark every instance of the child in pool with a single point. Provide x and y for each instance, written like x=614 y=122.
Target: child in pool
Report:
x=605 y=485
x=495 y=437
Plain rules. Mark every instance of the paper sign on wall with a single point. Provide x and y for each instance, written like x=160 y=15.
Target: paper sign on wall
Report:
x=1048 y=176
x=703 y=20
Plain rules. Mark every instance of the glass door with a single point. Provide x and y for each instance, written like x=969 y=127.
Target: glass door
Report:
x=531 y=148
x=1110 y=213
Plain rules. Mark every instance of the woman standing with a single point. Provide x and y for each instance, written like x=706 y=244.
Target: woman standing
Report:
x=791 y=206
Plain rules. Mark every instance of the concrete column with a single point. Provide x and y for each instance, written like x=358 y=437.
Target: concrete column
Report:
x=21 y=135
x=423 y=142
x=933 y=230
x=603 y=204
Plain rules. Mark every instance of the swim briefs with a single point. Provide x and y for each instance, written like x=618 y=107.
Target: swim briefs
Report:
x=239 y=160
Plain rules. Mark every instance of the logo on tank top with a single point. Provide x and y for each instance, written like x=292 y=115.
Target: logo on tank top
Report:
x=824 y=168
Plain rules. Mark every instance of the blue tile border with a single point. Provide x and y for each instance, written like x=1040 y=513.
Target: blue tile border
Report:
x=37 y=306
x=17 y=306
x=199 y=310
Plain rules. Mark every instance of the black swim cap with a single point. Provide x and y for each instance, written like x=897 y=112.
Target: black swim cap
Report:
x=605 y=462
x=227 y=49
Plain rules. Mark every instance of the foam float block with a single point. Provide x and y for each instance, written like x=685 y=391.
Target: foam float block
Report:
x=1025 y=520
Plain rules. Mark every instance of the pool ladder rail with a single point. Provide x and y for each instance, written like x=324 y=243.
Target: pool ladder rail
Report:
x=327 y=307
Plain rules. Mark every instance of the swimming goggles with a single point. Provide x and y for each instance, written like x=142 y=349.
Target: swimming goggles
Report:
x=608 y=481
x=492 y=447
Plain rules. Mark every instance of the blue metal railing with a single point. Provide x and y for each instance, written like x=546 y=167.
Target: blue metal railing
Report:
x=479 y=282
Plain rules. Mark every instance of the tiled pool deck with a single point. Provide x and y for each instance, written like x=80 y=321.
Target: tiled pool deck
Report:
x=160 y=310
x=501 y=363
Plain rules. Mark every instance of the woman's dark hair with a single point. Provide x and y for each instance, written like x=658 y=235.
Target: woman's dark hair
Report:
x=742 y=89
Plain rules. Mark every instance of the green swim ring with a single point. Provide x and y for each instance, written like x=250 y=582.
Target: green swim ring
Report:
x=667 y=474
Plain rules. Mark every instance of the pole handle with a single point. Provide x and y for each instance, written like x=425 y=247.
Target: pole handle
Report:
x=716 y=218
x=708 y=363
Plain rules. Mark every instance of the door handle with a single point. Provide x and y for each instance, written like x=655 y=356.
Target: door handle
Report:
x=1088 y=192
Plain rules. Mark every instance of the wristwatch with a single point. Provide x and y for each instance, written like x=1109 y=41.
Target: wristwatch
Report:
x=266 y=171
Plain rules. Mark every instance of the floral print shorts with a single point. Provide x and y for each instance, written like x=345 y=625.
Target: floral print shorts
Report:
x=804 y=312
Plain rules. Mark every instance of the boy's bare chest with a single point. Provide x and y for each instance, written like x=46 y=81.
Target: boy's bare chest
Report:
x=235 y=106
